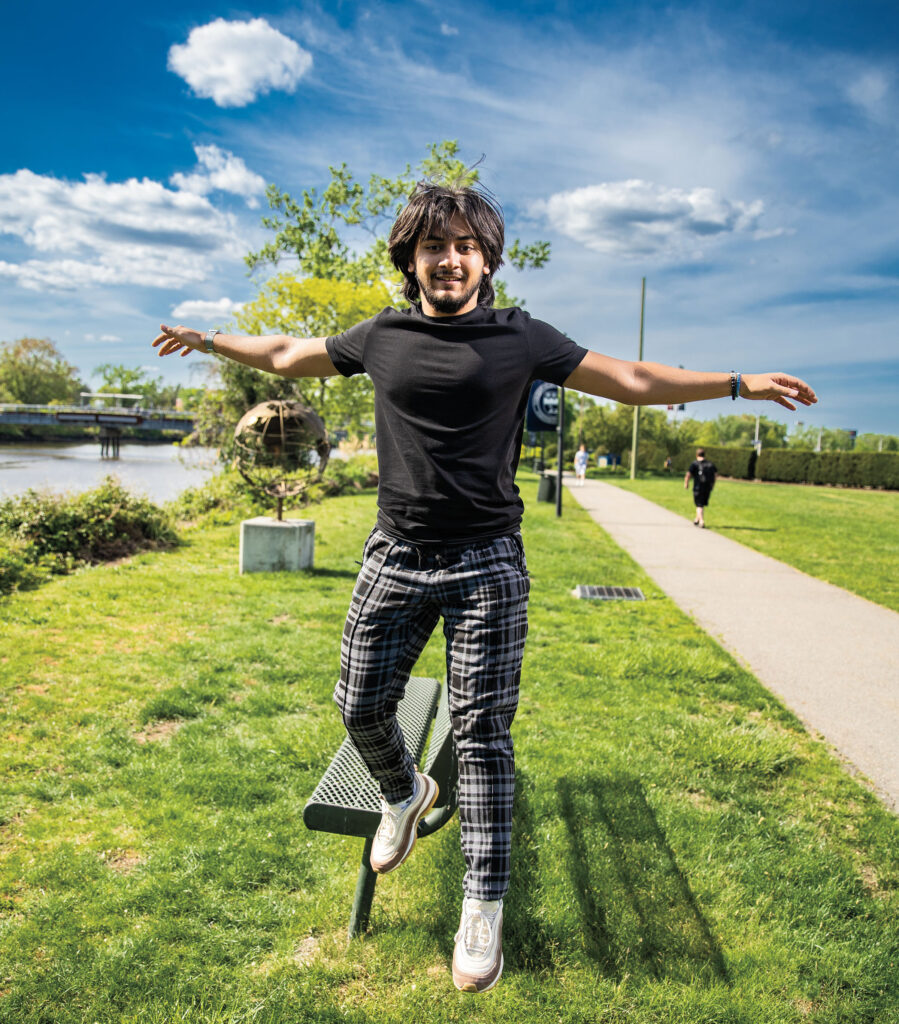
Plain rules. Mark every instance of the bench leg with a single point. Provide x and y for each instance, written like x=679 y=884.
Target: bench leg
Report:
x=365 y=891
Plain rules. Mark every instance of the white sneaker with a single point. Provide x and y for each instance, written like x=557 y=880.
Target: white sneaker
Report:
x=398 y=830
x=478 y=956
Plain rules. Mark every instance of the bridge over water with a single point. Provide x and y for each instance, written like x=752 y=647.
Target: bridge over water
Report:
x=110 y=420
x=115 y=417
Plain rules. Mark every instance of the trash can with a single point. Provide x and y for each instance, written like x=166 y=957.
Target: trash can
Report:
x=546 y=490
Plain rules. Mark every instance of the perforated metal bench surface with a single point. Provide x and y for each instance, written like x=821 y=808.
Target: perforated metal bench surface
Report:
x=346 y=799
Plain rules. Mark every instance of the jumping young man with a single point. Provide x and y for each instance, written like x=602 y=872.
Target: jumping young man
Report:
x=451 y=376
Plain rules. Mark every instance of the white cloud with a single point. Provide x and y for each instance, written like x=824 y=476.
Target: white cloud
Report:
x=222 y=171
x=233 y=62
x=639 y=218
x=109 y=337
x=213 y=311
x=109 y=233
x=448 y=30
x=869 y=90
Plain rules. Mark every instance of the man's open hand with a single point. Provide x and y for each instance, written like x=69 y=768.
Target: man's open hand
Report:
x=777 y=387
x=180 y=338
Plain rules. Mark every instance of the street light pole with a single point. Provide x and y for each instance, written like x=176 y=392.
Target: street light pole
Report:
x=559 y=450
x=636 y=437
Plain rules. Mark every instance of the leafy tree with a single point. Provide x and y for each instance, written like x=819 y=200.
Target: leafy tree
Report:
x=316 y=308
x=313 y=229
x=738 y=431
x=310 y=307
x=343 y=274
x=808 y=438
x=33 y=371
x=115 y=378
x=190 y=398
x=124 y=380
x=876 y=443
x=608 y=428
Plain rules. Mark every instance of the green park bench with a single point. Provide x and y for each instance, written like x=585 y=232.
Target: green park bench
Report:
x=346 y=799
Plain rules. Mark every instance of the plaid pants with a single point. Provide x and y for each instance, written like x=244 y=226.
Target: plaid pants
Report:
x=481 y=590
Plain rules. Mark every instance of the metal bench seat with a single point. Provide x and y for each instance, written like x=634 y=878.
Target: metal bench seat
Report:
x=346 y=800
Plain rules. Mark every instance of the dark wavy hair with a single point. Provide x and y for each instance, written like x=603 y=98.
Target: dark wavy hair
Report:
x=429 y=212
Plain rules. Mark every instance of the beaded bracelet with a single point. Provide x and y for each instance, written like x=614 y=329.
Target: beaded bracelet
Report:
x=735 y=381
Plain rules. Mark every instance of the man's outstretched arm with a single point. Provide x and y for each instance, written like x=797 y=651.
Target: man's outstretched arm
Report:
x=657 y=384
x=274 y=353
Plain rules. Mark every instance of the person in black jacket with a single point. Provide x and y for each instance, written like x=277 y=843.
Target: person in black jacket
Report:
x=703 y=474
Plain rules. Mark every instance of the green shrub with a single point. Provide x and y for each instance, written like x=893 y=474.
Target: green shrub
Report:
x=227 y=495
x=344 y=476
x=20 y=567
x=222 y=498
x=99 y=525
x=849 y=469
x=650 y=456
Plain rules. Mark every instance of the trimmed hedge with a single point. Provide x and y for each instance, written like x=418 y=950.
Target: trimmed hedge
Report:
x=733 y=462
x=879 y=470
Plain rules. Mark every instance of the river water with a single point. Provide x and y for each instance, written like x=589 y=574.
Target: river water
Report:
x=158 y=471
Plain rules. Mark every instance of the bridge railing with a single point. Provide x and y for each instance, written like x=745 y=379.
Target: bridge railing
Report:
x=24 y=407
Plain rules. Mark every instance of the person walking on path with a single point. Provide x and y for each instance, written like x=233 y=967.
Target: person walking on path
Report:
x=451 y=376
x=703 y=473
x=580 y=465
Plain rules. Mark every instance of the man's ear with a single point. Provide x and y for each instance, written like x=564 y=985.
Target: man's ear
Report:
x=411 y=267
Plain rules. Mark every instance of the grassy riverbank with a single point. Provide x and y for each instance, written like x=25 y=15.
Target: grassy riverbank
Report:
x=684 y=851
x=846 y=536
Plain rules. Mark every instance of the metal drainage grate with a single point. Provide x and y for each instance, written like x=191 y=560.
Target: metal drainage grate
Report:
x=608 y=593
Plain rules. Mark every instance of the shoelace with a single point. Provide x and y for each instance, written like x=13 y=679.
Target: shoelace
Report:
x=478 y=928
x=387 y=828
x=390 y=816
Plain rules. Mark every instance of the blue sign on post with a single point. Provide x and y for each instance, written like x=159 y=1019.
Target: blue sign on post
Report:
x=543 y=406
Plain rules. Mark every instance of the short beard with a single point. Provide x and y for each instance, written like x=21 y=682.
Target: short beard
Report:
x=447 y=304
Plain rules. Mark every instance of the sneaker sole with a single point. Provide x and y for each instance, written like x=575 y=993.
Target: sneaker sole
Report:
x=413 y=834
x=472 y=986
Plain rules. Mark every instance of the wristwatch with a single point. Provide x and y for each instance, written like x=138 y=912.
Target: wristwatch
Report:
x=210 y=334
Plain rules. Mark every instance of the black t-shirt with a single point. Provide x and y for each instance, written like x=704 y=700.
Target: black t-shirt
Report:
x=703 y=473
x=450 y=398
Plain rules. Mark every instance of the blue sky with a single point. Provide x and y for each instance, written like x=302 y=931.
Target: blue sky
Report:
x=743 y=157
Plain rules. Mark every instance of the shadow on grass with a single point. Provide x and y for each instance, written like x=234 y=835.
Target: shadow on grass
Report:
x=754 y=529
x=635 y=902
x=527 y=944
x=340 y=574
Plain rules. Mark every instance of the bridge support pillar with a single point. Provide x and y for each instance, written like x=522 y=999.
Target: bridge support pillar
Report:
x=276 y=545
x=110 y=438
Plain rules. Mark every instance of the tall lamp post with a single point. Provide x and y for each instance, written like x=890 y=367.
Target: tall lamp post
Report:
x=559 y=449
x=636 y=437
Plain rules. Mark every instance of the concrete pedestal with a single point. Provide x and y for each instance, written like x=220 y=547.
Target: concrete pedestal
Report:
x=272 y=545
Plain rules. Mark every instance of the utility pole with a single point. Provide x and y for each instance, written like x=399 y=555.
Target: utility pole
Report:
x=561 y=430
x=636 y=437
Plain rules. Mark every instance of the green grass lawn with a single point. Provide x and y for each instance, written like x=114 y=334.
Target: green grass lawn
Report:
x=683 y=850
x=845 y=536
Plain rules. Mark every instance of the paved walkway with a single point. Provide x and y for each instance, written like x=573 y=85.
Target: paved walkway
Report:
x=832 y=657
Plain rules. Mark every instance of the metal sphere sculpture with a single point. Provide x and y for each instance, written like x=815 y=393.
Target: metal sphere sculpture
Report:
x=282 y=448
